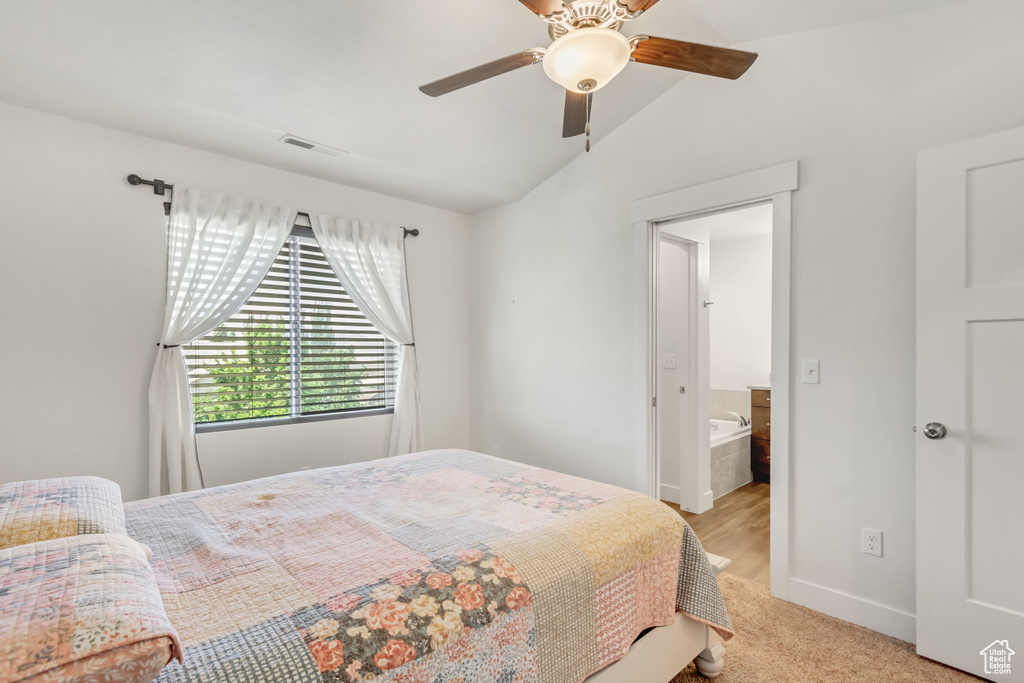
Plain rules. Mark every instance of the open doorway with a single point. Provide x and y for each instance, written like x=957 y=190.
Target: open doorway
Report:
x=714 y=329
x=772 y=186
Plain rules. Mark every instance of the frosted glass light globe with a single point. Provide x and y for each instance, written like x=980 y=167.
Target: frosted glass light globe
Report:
x=586 y=59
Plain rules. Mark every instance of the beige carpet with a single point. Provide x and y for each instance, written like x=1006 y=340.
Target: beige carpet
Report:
x=779 y=641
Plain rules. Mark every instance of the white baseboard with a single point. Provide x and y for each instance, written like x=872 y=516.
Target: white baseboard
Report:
x=872 y=615
x=670 y=493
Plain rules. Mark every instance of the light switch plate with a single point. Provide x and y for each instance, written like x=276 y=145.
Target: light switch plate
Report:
x=668 y=361
x=811 y=371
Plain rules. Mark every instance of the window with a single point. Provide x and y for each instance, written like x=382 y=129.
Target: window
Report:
x=298 y=349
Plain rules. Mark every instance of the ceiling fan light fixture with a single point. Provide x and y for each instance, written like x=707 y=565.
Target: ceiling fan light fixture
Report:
x=586 y=59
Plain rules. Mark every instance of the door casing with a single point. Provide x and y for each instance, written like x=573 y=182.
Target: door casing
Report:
x=776 y=183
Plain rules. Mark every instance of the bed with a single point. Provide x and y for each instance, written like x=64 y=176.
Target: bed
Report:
x=440 y=566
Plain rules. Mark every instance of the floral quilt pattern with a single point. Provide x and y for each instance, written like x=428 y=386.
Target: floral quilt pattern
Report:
x=436 y=567
x=68 y=603
x=387 y=625
x=540 y=495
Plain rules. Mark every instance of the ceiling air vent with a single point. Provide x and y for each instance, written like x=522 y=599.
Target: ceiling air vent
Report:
x=311 y=146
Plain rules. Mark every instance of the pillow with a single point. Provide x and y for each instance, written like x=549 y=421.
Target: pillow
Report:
x=73 y=608
x=136 y=663
x=39 y=510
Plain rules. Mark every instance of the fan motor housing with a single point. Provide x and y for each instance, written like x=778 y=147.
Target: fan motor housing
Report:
x=588 y=14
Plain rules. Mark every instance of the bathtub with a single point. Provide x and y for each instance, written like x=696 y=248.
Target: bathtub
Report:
x=730 y=456
x=724 y=431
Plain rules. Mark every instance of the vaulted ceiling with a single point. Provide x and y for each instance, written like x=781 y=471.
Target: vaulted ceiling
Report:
x=234 y=76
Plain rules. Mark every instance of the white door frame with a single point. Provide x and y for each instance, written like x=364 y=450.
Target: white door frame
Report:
x=776 y=183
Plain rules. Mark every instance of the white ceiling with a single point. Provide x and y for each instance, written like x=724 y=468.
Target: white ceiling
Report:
x=754 y=221
x=233 y=76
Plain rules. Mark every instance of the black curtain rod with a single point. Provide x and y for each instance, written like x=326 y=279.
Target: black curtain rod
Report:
x=159 y=186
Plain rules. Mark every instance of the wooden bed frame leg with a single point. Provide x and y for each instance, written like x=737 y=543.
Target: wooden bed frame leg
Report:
x=709 y=662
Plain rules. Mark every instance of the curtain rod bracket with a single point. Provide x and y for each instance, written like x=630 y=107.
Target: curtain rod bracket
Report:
x=415 y=232
x=158 y=185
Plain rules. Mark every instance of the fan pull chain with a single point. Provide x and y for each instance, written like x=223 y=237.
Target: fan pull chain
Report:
x=586 y=128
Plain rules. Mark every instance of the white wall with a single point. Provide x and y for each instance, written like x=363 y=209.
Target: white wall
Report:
x=553 y=274
x=741 y=317
x=82 y=268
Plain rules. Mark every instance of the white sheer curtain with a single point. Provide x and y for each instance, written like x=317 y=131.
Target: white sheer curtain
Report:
x=219 y=249
x=369 y=259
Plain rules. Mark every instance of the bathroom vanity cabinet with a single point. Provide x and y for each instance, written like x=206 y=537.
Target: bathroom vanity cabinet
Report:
x=761 y=434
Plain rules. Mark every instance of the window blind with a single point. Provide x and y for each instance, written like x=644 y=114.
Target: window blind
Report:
x=298 y=347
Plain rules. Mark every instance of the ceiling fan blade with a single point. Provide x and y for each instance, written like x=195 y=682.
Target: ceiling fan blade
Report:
x=483 y=72
x=700 y=59
x=635 y=6
x=544 y=8
x=575 y=120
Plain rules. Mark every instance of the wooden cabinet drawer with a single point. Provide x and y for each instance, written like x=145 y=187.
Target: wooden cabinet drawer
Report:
x=760 y=456
x=761 y=398
x=760 y=423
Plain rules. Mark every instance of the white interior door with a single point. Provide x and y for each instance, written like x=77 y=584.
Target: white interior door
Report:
x=695 y=456
x=970 y=379
x=674 y=387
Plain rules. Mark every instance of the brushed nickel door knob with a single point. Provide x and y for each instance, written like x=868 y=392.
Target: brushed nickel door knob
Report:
x=935 y=430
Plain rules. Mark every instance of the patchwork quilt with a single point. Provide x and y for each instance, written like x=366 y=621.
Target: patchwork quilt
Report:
x=39 y=510
x=441 y=567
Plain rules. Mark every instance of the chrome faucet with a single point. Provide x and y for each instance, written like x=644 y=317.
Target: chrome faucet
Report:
x=744 y=422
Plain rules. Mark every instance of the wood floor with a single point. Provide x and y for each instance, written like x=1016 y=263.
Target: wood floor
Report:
x=737 y=528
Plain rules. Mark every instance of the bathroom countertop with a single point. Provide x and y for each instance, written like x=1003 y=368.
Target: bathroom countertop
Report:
x=758 y=387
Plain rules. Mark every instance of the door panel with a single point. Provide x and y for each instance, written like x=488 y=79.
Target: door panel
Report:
x=995 y=218
x=760 y=423
x=673 y=407
x=995 y=463
x=970 y=378
x=695 y=464
x=761 y=456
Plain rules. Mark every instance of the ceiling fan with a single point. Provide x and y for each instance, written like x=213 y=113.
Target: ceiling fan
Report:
x=588 y=51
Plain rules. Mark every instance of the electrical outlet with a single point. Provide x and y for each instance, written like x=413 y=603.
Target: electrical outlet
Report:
x=871 y=541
